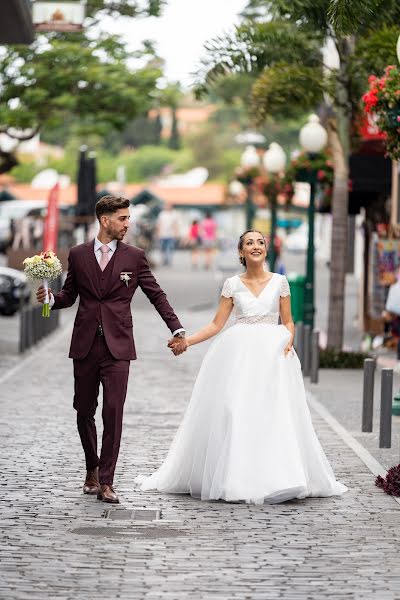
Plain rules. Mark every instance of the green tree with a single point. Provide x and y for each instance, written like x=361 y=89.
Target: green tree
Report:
x=283 y=53
x=171 y=97
x=85 y=79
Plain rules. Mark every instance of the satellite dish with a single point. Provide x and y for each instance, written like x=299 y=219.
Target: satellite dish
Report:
x=194 y=178
x=48 y=178
x=250 y=138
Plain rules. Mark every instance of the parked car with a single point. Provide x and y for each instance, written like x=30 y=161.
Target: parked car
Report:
x=14 y=290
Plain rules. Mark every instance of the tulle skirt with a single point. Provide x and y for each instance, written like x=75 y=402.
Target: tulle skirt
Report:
x=247 y=433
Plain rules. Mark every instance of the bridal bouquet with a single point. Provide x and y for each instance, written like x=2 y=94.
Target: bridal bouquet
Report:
x=45 y=266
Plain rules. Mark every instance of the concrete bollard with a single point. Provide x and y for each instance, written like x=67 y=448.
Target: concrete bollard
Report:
x=314 y=367
x=307 y=350
x=299 y=343
x=368 y=395
x=385 y=430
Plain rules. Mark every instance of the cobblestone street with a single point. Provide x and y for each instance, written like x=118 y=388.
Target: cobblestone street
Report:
x=57 y=544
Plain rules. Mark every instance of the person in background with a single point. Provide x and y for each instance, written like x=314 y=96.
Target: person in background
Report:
x=167 y=230
x=194 y=242
x=208 y=230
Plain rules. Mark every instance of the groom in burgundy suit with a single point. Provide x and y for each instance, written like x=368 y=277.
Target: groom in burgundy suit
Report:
x=105 y=274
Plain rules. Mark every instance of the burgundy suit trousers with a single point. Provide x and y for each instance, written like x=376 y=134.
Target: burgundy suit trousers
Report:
x=100 y=366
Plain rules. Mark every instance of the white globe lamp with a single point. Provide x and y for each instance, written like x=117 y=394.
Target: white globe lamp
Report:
x=274 y=159
x=398 y=49
x=250 y=158
x=236 y=188
x=313 y=137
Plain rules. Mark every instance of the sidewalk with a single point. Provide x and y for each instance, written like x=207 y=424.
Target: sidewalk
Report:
x=58 y=545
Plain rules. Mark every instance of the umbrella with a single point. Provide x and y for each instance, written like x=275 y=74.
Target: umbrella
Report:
x=87 y=197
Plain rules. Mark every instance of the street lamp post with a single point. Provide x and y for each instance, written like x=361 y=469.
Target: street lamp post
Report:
x=250 y=161
x=274 y=161
x=313 y=138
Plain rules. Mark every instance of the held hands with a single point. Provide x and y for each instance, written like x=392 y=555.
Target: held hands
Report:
x=178 y=345
x=41 y=294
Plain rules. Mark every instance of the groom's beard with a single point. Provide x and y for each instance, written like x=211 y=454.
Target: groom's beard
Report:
x=116 y=234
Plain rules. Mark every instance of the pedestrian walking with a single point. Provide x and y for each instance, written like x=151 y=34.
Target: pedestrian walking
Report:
x=105 y=273
x=194 y=242
x=247 y=433
x=167 y=232
x=391 y=317
x=208 y=228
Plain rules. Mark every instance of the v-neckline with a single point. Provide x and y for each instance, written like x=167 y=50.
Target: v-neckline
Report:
x=249 y=290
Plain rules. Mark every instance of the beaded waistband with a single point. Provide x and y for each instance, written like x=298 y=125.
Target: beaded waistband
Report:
x=269 y=319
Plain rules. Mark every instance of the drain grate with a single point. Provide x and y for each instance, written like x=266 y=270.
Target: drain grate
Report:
x=132 y=532
x=136 y=514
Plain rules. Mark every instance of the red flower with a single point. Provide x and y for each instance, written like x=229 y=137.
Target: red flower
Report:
x=320 y=175
x=391 y=483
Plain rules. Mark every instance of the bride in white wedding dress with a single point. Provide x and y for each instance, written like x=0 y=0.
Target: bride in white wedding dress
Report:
x=247 y=433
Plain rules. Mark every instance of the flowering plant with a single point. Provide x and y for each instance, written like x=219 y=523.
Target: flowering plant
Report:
x=45 y=266
x=391 y=483
x=273 y=186
x=382 y=101
x=321 y=163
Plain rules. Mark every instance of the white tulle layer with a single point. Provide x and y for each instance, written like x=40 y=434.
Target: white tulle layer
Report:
x=247 y=433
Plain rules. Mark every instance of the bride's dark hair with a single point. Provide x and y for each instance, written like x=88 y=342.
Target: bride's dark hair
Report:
x=241 y=240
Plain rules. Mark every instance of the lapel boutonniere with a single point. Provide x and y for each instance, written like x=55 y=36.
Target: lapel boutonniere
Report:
x=124 y=276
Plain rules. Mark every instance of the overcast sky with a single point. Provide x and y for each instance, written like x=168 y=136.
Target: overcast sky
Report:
x=182 y=31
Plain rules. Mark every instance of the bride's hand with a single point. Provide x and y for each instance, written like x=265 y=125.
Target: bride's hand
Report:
x=288 y=348
x=178 y=345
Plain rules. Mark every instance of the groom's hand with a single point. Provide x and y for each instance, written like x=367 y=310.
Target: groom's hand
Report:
x=41 y=294
x=178 y=345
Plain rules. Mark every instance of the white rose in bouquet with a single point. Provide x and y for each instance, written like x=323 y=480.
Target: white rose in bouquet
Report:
x=45 y=266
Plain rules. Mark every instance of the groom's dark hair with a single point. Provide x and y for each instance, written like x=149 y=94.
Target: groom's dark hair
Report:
x=110 y=204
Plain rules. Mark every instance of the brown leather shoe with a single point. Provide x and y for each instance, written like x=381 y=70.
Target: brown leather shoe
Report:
x=106 y=493
x=91 y=485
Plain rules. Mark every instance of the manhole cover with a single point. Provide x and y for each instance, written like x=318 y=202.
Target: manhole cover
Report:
x=132 y=532
x=137 y=514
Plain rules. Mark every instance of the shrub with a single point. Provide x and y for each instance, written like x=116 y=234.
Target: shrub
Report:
x=334 y=359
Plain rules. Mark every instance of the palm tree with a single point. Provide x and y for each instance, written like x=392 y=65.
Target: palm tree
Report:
x=281 y=45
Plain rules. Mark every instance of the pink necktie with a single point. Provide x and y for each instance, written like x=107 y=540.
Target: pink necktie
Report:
x=104 y=256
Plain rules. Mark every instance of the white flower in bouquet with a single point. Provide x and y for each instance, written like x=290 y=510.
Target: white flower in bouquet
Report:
x=45 y=266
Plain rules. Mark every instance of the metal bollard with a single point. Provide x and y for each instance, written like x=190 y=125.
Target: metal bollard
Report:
x=307 y=350
x=314 y=356
x=385 y=431
x=368 y=395
x=22 y=330
x=299 y=344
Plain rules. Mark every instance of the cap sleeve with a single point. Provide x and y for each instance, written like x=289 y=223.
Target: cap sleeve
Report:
x=285 y=289
x=227 y=289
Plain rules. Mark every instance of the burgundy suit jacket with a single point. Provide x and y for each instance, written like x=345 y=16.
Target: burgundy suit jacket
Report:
x=111 y=307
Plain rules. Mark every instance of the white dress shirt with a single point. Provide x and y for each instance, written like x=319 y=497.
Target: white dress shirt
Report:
x=97 y=252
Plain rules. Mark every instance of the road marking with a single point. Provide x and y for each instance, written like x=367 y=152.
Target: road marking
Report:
x=366 y=457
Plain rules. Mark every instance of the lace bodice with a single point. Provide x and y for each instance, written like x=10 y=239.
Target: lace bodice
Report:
x=251 y=309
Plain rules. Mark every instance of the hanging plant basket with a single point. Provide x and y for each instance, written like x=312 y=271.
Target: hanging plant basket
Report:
x=393 y=118
x=383 y=102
